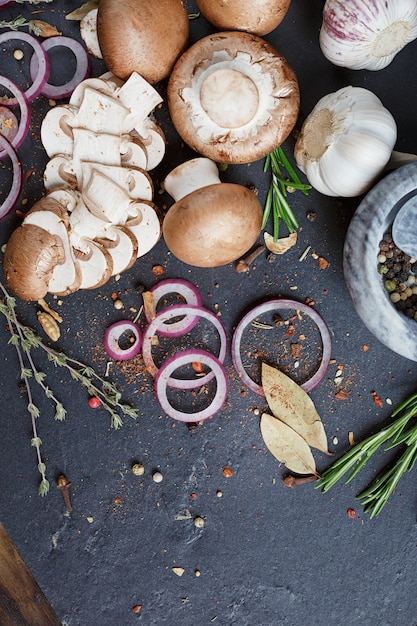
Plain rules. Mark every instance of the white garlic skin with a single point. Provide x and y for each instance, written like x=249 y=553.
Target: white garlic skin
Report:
x=366 y=34
x=345 y=142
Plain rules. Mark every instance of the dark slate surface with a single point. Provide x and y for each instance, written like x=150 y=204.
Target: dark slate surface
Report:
x=266 y=554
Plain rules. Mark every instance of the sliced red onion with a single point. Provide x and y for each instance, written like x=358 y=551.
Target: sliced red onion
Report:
x=21 y=100
x=163 y=378
x=161 y=318
x=112 y=337
x=273 y=305
x=16 y=185
x=191 y=295
x=42 y=73
x=82 y=69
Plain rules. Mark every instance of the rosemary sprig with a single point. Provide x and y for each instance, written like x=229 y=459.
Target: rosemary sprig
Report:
x=24 y=340
x=281 y=184
x=399 y=432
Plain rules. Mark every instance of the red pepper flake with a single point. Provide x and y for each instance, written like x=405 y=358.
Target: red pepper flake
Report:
x=377 y=399
x=193 y=496
x=227 y=472
x=197 y=367
x=365 y=348
x=114 y=296
x=94 y=402
x=291 y=331
x=341 y=395
x=117 y=500
x=323 y=263
x=157 y=270
x=137 y=608
x=351 y=513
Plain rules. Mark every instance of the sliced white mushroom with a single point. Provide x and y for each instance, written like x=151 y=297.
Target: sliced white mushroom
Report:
x=86 y=226
x=67 y=198
x=100 y=113
x=133 y=151
x=125 y=251
x=148 y=230
x=97 y=269
x=154 y=140
x=88 y=32
x=90 y=146
x=65 y=277
x=105 y=199
x=190 y=176
x=59 y=172
x=103 y=84
x=134 y=180
x=140 y=98
x=56 y=130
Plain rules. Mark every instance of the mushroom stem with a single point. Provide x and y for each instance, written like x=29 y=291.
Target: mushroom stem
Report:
x=190 y=176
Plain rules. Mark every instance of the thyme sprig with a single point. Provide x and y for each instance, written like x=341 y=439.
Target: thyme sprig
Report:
x=24 y=339
x=281 y=184
x=397 y=433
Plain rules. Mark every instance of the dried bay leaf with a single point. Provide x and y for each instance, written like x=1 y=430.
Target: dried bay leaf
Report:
x=293 y=406
x=287 y=446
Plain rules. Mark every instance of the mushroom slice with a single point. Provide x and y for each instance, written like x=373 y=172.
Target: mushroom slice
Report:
x=65 y=276
x=88 y=33
x=86 y=226
x=29 y=261
x=100 y=112
x=59 y=172
x=154 y=140
x=99 y=84
x=125 y=252
x=140 y=98
x=91 y=146
x=134 y=180
x=148 y=230
x=97 y=269
x=56 y=130
x=104 y=198
x=233 y=97
x=67 y=198
x=133 y=151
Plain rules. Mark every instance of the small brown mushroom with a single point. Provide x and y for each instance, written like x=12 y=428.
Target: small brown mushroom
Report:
x=259 y=17
x=213 y=223
x=142 y=36
x=233 y=97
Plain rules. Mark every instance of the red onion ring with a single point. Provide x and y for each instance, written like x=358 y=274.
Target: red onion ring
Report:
x=42 y=59
x=191 y=295
x=82 y=69
x=163 y=378
x=272 y=305
x=112 y=335
x=167 y=314
x=16 y=185
x=21 y=100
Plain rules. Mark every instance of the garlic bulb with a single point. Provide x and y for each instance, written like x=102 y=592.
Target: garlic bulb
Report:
x=345 y=142
x=366 y=34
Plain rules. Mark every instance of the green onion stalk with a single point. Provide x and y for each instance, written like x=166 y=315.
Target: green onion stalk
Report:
x=284 y=180
x=400 y=433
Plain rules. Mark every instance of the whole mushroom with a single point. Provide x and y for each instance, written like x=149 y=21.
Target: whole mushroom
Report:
x=142 y=36
x=259 y=17
x=211 y=223
x=233 y=97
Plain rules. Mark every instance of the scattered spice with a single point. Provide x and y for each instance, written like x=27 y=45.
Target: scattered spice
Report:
x=157 y=477
x=351 y=513
x=157 y=270
x=138 y=469
x=293 y=481
x=94 y=402
x=137 y=608
x=341 y=395
x=227 y=472
x=323 y=263
x=377 y=399
x=179 y=571
x=63 y=484
x=198 y=522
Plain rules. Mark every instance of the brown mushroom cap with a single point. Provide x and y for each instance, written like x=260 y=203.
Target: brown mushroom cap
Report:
x=259 y=17
x=29 y=260
x=233 y=97
x=142 y=36
x=213 y=225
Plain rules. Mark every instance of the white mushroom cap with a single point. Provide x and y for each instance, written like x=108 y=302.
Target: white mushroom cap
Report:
x=233 y=97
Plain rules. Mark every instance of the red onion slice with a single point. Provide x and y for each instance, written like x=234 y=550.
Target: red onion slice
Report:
x=191 y=295
x=166 y=315
x=16 y=185
x=21 y=100
x=272 y=305
x=42 y=60
x=112 y=337
x=82 y=69
x=163 y=378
